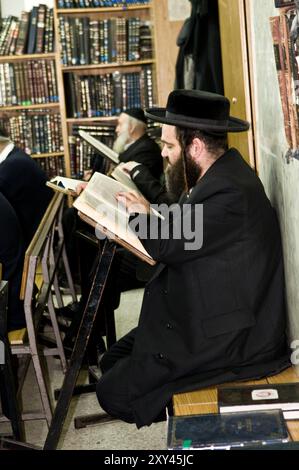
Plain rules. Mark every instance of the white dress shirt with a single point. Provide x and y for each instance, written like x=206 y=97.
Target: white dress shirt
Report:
x=6 y=151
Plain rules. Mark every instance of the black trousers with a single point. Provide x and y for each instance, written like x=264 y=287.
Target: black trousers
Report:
x=113 y=387
x=12 y=257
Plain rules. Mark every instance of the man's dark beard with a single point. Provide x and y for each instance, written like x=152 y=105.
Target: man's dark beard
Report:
x=192 y=171
x=175 y=180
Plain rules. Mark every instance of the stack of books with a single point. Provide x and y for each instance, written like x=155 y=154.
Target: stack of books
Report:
x=226 y=431
x=284 y=396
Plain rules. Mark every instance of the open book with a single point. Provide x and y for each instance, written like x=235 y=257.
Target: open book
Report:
x=64 y=185
x=123 y=177
x=100 y=147
x=99 y=204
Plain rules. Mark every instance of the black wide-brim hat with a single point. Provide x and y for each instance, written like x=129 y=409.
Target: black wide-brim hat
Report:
x=197 y=109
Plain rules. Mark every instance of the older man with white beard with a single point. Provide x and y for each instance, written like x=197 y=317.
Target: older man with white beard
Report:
x=134 y=145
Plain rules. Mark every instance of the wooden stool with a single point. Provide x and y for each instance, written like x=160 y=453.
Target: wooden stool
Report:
x=205 y=400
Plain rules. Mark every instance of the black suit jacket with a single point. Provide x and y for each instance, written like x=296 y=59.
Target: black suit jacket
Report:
x=146 y=151
x=217 y=313
x=12 y=257
x=23 y=183
x=200 y=39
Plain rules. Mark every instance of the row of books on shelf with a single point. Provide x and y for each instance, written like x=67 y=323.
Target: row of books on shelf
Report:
x=99 y=3
x=83 y=156
x=27 y=83
x=108 y=94
x=252 y=415
x=89 y=41
x=33 y=33
x=35 y=133
x=52 y=165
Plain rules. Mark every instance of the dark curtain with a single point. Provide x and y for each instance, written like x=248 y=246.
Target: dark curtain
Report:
x=199 y=64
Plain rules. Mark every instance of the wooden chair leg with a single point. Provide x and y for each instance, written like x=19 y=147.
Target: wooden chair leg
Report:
x=57 y=333
x=85 y=329
x=33 y=342
x=10 y=404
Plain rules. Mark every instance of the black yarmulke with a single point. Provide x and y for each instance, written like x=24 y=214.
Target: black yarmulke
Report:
x=136 y=113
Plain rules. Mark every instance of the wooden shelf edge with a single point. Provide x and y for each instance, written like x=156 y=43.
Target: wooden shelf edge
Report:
x=14 y=58
x=92 y=119
x=47 y=155
x=31 y=106
x=72 y=11
x=68 y=68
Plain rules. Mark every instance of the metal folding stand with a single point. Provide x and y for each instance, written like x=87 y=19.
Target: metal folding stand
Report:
x=85 y=329
x=8 y=386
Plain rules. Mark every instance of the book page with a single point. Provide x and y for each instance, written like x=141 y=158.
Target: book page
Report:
x=115 y=222
x=99 y=146
x=66 y=183
x=103 y=189
x=120 y=175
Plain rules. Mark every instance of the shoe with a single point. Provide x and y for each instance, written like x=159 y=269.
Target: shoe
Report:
x=69 y=311
x=95 y=352
x=64 y=285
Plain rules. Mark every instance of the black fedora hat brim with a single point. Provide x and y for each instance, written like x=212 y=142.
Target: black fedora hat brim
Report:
x=232 y=125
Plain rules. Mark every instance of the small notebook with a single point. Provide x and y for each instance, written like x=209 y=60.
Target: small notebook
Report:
x=225 y=431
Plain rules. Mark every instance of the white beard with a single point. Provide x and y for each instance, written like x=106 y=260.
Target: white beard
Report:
x=120 y=142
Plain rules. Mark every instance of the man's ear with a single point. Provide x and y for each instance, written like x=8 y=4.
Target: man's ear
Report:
x=196 y=148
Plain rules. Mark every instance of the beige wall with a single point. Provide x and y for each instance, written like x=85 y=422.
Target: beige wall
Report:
x=280 y=178
x=166 y=33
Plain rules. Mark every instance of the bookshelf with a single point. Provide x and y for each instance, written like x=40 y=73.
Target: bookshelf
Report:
x=112 y=64
x=29 y=99
x=160 y=62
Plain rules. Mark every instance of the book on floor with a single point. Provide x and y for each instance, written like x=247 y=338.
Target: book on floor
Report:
x=100 y=147
x=99 y=207
x=64 y=185
x=284 y=396
x=226 y=431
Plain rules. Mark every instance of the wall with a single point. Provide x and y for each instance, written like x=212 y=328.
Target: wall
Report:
x=168 y=23
x=15 y=7
x=280 y=179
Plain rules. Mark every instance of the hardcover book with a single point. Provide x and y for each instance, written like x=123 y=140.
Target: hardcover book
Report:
x=261 y=397
x=100 y=208
x=64 y=185
x=283 y=3
x=123 y=177
x=100 y=147
x=226 y=431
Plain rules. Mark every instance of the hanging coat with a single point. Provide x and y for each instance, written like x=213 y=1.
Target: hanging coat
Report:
x=199 y=64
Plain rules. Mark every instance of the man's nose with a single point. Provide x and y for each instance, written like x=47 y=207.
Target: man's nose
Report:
x=164 y=152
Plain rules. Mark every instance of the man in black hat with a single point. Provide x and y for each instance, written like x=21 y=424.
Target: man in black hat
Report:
x=214 y=311
x=134 y=145
x=143 y=161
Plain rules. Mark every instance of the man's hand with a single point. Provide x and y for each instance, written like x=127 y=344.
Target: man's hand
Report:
x=133 y=202
x=80 y=187
x=87 y=175
x=128 y=166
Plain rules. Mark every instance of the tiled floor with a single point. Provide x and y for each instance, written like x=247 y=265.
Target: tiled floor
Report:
x=112 y=436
